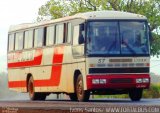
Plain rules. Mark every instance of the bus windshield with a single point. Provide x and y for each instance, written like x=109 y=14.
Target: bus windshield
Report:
x=117 y=37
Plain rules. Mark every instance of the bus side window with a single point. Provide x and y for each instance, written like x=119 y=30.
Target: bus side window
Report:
x=19 y=41
x=11 y=42
x=65 y=33
x=59 y=33
x=28 y=39
x=38 y=37
x=50 y=36
x=69 y=32
x=76 y=35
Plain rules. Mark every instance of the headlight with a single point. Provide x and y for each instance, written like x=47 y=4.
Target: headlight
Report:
x=145 y=80
x=139 y=80
x=95 y=81
x=99 y=81
x=142 y=80
x=103 y=81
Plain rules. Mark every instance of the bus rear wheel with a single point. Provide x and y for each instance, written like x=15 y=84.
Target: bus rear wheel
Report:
x=32 y=94
x=135 y=94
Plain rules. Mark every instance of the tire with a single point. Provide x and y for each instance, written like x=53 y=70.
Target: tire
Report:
x=135 y=94
x=73 y=96
x=32 y=94
x=82 y=95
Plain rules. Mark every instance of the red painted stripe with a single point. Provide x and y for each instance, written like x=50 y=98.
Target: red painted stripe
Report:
x=36 y=61
x=13 y=84
x=55 y=74
x=56 y=69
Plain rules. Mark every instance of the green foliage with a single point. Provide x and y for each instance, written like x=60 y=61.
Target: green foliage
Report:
x=155 y=45
x=150 y=8
x=152 y=92
x=111 y=96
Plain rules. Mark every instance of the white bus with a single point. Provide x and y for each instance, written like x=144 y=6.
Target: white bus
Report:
x=102 y=52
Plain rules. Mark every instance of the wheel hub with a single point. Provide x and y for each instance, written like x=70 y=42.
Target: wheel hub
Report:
x=80 y=88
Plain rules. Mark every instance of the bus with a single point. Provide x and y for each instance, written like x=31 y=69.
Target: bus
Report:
x=92 y=53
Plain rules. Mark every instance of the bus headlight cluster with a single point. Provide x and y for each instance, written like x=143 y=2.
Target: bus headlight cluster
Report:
x=145 y=80
x=142 y=80
x=99 y=81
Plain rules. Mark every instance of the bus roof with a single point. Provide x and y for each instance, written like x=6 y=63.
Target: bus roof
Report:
x=88 y=15
x=110 y=15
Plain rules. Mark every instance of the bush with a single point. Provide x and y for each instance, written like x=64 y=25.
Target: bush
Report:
x=152 y=92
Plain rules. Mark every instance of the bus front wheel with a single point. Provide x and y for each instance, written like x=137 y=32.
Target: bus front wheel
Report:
x=135 y=94
x=82 y=95
x=32 y=94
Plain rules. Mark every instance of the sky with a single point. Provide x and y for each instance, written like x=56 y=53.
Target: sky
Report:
x=14 y=12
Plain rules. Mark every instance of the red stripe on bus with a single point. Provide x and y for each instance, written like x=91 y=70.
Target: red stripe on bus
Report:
x=56 y=69
x=55 y=74
x=36 y=61
x=12 y=84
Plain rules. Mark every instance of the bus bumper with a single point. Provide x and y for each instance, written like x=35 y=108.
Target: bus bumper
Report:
x=118 y=81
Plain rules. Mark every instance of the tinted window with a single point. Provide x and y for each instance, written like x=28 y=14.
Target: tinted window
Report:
x=28 y=39
x=103 y=38
x=38 y=37
x=50 y=35
x=134 y=37
x=11 y=42
x=59 y=33
x=19 y=41
x=117 y=38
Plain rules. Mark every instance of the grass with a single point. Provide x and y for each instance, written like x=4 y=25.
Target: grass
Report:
x=152 y=92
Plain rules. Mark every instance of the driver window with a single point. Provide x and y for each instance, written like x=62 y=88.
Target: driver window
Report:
x=140 y=37
x=81 y=34
x=78 y=34
x=137 y=41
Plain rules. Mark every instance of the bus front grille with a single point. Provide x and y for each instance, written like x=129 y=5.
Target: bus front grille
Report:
x=121 y=80
x=119 y=70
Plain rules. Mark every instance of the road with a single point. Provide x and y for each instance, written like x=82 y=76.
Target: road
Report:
x=67 y=106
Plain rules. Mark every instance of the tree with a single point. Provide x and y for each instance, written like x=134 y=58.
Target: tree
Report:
x=150 y=8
